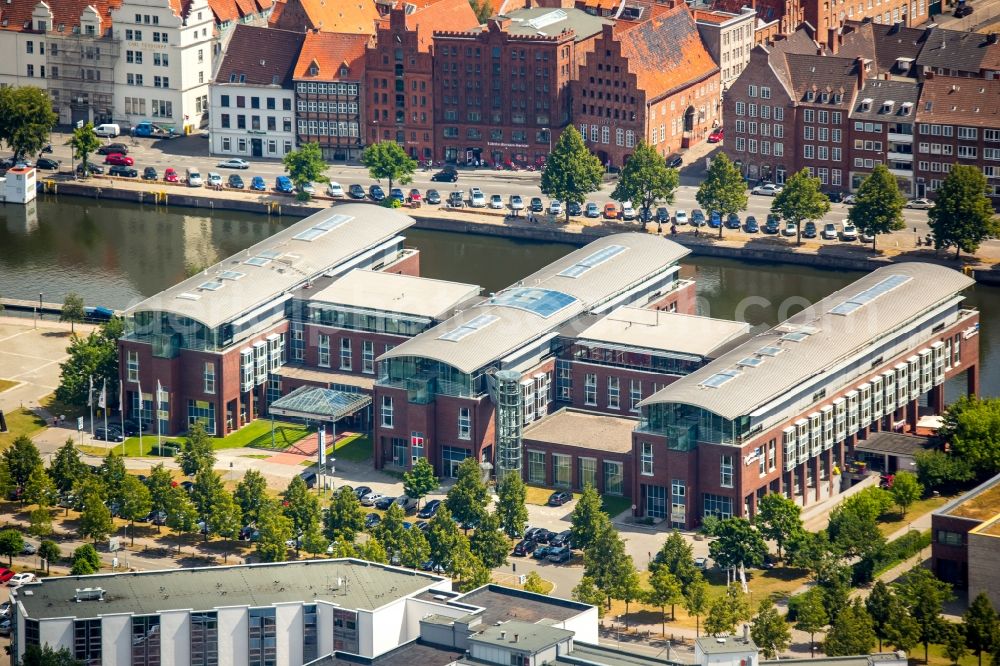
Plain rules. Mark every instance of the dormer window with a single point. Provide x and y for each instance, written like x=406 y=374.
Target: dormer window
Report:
x=825 y=97
x=887 y=106
x=313 y=70
x=810 y=95
x=344 y=71
x=838 y=98
x=906 y=108
x=866 y=104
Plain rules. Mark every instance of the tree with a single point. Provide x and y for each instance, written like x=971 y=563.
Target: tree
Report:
x=305 y=165
x=95 y=520
x=197 y=453
x=770 y=631
x=588 y=519
x=811 y=616
x=443 y=538
x=586 y=592
x=953 y=638
x=905 y=491
x=606 y=561
x=962 y=216
x=511 y=509
x=11 y=544
x=301 y=507
x=937 y=470
x=86 y=561
x=204 y=493
x=723 y=190
x=275 y=529
x=665 y=590
x=738 y=542
x=67 y=468
x=851 y=632
x=250 y=493
x=21 y=459
x=778 y=519
x=883 y=607
x=982 y=626
x=84 y=142
x=627 y=587
x=159 y=482
x=45 y=655
x=314 y=541
x=878 y=204
x=419 y=481
x=646 y=179
x=467 y=499
x=801 y=200
x=387 y=159
x=483 y=9
x=26 y=119
x=49 y=551
x=467 y=568
x=413 y=548
x=924 y=596
x=972 y=427
x=40 y=489
x=72 y=310
x=225 y=519
x=853 y=525
x=113 y=473
x=92 y=357
x=720 y=619
x=344 y=519
x=696 y=600
x=372 y=551
x=677 y=556
x=182 y=516
x=534 y=583
x=571 y=171
x=389 y=532
x=489 y=544
x=136 y=503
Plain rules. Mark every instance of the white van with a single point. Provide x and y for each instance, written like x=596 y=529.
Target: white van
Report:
x=108 y=130
x=193 y=177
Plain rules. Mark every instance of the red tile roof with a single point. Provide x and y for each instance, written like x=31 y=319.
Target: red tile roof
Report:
x=348 y=16
x=960 y=101
x=712 y=16
x=441 y=15
x=260 y=56
x=665 y=52
x=17 y=14
x=329 y=51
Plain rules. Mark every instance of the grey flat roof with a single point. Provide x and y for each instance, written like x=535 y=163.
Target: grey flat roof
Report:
x=394 y=292
x=893 y=443
x=588 y=430
x=664 y=331
x=326 y=378
x=415 y=653
x=979 y=504
x=545 y=21
x=835 y=338
x=363 y=586
x=517 y=635
x=501 y=604
x=725 y=644
x=630 y=260
x=588 y=653
x=859 y=660
x=233 y=287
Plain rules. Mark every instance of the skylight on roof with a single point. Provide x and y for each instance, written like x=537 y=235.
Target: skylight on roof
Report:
x=333 y=222
x=310 y=234
x=542 y=302
x=231 y=275
x=750 y=362
x=720 y=378
x=468 y=328
x=257 y=261
x=547 y=19
x=188 y=296
x=213 y=285
x=597 y=258
x=870 y=294
x=796 y=336
x=269 y=254
x=770 y=351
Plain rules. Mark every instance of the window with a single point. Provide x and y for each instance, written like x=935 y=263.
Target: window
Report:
x=613 y=478
x=947 y=538
x=587 y=470
x=209 y=378
x=718 y=505
x=146 y=640
x=771 y=449
x=967 y=133
x=464 y=423
x=310 y=633
x=967 y=152
x=726 y=471
x=345 y=353
x=87 y=641
x=536 y=467
x=808 y=116
x=263 y=638
x=646 y=459
x=590 y=389
x=368 y=356
x=323 y=351
x=386 y=411
x=634 y=395
x=562 y=467
x=132 y=365
x=613 y=393
x=678 y=503
x=201 y=411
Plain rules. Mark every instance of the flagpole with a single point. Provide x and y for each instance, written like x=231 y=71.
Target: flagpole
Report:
x=159 y=433
x=121 y=411
x=90 y=403
x=104 y=406
x=140 y=414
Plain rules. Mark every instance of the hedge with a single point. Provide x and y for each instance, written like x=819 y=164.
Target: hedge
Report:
x=894 y=552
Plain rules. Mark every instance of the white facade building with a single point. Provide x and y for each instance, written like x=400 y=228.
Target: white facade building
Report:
x=729 y=38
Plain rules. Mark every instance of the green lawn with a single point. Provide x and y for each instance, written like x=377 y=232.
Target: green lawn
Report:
x=256 y=434
x=20 y=422
x=892 y=521
x=612 y=504
x=615 y=504
x=356 y=448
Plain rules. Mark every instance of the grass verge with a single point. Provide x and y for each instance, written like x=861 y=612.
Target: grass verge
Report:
x=919 y=508
x=356 y=448
x=254 y=435
x=611 y=504
x=6 y=384
x=20 y=422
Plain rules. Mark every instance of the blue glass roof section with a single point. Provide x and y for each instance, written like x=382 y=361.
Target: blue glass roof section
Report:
x=542 y=302
x=319 y=404
x=870 y=294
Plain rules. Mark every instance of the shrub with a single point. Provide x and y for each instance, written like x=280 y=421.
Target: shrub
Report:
x=894 y=552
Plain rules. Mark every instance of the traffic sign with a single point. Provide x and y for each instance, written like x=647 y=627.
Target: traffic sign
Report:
x=79 y=423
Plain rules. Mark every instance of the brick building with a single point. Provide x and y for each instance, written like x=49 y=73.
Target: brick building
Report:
x=951 y=528
x=650 y=80
x=503 y=91
x=357 y=17
x=881 y=131
x=399 y=74
x=329 y=80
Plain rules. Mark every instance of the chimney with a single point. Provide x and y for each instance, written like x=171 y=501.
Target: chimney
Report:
x=859 y=64
x=746 y=633
x=503 y=635
x=516 y=636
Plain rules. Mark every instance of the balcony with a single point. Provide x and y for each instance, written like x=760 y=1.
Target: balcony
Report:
x=900 y=138
x=899 y=157
x=902 y=173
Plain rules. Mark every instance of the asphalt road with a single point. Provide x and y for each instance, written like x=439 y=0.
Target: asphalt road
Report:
x=193 y=151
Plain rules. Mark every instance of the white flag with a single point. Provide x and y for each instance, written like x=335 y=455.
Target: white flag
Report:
x=121 y=397
x=90 y=392
x=159 y=394
x=102 y=400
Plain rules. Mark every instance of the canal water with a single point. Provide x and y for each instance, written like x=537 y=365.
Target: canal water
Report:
x=116 y=254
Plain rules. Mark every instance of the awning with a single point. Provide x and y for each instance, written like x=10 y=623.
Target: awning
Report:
x=893 y=444
x=319 y=404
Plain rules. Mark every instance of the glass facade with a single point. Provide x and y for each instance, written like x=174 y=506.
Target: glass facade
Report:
x=562 y=470
x=614 y=479
x=686 y=425
x=310 y=636
x=203 y=411
x=671 y=364
x=656 y=501
x=720 y=506
x=146 y=640
x=87 y=641
x=204 y=639
x=451 y=457
x=588 y=472
x=536 y=467
x=345 y=630
x=365 y=320
x=423 y=378
x=263 y=639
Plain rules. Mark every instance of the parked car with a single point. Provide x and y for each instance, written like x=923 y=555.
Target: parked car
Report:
x=559 y=554
x=28 y=548
x=406 y=503
x=920 y=204
x=716 y=136
x=430 y=509
x=733 y=221
x=543 y=535
x=123 y=172
x=414 y=195
x=809 y=230
x=456 y=199
x=361 y=491
x=530 y=532
x=680 y=216
x=848 y=232
x=525 y=547
x=376 y=193
x=750 y=225
x=397 y=194
x=866 y=237
x=149 y=173
x=257 y=184
x=5 y=627
x=675 y=161
x=446 y=175
x=767 y=189
x=541 y=552
x=628 y=212
x=574 y=209
x=773 y=225
x=233 y=163
x=849 y=200
x=422 y=525
x=592 y=210
x=119 y=159
x=516 y=202
x=308 y=188
x=963 y=10
x=17 y=580
x=371 y=498
x=432 y=567
x=477 y=200
x=333 y=189
x=384 y=503
x=355 y=191
x=235 y=181
x=371 y=520
x=561 y=539
x=536 y=205
x=611 y=211
x=790 y=229
x=214 y=179
x=714 y=220
x=5 y=574
x=560 y=497
x=91 y=169
x=663 y=215
x=701 y=563
x=496 y=202
x=110 y=148
x=697 y=218
x=284 y=185
x=193 y=177
x=47 y=163
x=830 y=231
x=170 y=175
x=433 y=197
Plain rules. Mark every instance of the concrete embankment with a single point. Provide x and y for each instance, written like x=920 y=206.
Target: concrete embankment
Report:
x=763 y=249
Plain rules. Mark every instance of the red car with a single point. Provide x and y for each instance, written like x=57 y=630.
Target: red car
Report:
x=716 y=136
x=170 y=175
x=118 y=159
x=5 y=574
